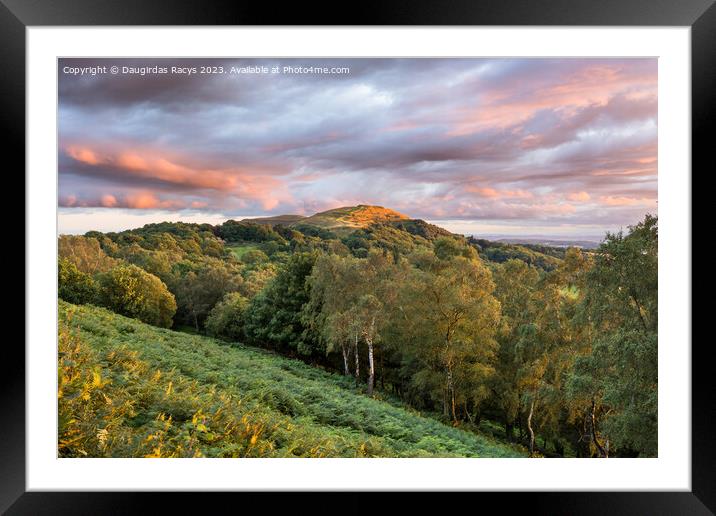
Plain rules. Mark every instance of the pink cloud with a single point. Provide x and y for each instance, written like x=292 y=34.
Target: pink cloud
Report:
x=144 y=201
x=579 y=196
x=507 y=106
x=83 y=155
x=615 y=200
x=108 y=201
x=492 y=193
x=255 y=185
x=483 y=191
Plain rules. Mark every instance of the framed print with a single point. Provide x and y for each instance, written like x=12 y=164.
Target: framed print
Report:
x=409 y=251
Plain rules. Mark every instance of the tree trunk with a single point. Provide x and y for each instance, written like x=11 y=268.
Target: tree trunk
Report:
x=451 y=394
x=529 y=427
x=371 y=367
x=508 y=431
x=446 y=394
x=602 y=451
x=473 y=419
x=382 y=370
x=558 y=447
x=346 y=372
x=355 y=349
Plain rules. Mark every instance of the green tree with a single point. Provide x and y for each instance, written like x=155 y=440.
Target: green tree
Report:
x=546 y=346
x=515 y=284
x=351 y=297
x=130 y=291
x=329 y=310
x=254 y=256
x=451 y=318
x=275 y=316
x=617 y=380
x=256 y=278
x=74 y=285
x=198 y=292
x=226 y=319
x=85 y=253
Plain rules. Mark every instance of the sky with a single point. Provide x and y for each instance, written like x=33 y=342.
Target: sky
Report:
x=551 y=147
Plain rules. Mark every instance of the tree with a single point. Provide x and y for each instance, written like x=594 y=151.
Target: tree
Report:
x=447 y=248
x=198 y=292
x=74 y=285
x=275 y=318
x=157 y=262
x=226 y=319
x=348 y=303
x=617 y=379
x=130 y=291
x=546 y=344
x=375 y=300
x=256 y=278
x=515 y=284
x=451 y=317
x=329 y=309
x=238 y=231
x=254 y=256
x=85 y=253
x=366 y=312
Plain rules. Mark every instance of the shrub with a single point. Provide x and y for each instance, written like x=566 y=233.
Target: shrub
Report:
x=254 y=256
x=130 y=291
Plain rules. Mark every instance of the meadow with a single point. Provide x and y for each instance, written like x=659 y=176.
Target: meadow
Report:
x=239 y=250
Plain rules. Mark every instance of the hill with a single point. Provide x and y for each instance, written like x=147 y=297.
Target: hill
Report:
x=352 y=217
x=128 y=389
x=548 y=242
x=363 y=226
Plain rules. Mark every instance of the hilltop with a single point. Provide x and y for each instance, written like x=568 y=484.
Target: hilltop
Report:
x=360 y=216
x=342 y=219
x=158 y=392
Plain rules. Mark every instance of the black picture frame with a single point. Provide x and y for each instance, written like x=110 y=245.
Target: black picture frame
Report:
x=700 y=15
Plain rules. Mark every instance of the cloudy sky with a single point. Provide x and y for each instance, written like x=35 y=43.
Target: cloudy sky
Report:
x=555 y=147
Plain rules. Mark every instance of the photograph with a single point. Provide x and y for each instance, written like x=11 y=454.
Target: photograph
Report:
x=359 y=257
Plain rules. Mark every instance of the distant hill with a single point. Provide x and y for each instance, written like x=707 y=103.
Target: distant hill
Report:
x=584 y=244
x=283 y=220
x=352 y=217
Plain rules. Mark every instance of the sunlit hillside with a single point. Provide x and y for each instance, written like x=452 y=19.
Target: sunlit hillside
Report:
x=353 y=217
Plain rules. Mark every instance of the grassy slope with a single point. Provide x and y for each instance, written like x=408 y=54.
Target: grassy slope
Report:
x=239 y=250
x=238 y=401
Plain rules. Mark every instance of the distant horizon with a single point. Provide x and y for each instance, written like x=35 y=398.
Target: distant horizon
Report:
x=79 y=222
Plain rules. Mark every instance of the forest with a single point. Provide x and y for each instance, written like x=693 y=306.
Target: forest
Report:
x=488 y=349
